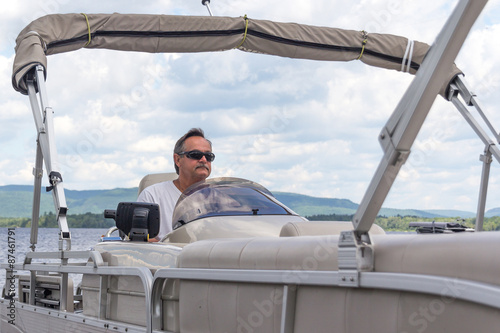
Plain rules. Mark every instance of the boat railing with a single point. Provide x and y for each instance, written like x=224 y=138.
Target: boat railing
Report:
x=97 y=268
x=94 y=256
x=470 y=291
x=477 y=292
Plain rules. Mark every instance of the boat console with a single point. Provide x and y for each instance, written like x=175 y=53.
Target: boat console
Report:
x=139 y=221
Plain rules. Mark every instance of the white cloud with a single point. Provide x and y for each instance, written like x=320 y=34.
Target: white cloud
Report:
x=17 y=171
x=153 y=144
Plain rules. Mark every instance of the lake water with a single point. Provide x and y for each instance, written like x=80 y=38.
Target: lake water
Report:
x=48 y=240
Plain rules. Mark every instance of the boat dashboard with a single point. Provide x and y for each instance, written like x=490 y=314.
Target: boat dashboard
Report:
x=224 y=207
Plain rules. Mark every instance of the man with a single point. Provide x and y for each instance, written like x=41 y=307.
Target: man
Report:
x=193 y=163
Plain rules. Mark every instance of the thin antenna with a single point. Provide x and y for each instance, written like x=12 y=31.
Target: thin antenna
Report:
x=207 y=4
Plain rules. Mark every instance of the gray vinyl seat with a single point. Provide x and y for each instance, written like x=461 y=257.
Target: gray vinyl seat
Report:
x=318 y=228
x=154 y=178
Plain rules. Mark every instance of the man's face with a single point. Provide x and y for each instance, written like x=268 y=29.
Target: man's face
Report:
x=194 y=170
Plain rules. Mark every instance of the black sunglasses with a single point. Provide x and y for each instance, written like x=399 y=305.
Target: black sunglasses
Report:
x=198 y=155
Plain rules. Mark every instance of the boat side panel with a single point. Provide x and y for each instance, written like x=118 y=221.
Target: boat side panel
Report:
x=125 y=294
x=247 y=307
x=29 y=321
x=229 y=307
x=170 y=305
x=388 y=311
x=125 y=298
x=32 y=319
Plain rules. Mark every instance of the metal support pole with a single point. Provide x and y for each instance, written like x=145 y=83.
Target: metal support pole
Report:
x=458 y=87
x=288 y=308
x=470 y=99
x=63 y=288
x=103 y=296
x=474 y=124
x=32 y=287
x=483 y=189
x=43 y=116
x=400 y=132
x=35 y=215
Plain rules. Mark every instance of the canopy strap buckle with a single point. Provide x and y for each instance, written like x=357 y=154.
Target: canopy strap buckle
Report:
x=54 y=178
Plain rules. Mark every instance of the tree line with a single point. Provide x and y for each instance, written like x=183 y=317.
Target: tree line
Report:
x=401 y=223
x=391 y=223
x=49 y=220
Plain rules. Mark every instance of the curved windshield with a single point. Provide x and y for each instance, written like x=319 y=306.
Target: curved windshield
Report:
x=225 y=197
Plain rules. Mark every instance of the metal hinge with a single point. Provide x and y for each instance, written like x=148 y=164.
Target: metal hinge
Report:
x=355 y=255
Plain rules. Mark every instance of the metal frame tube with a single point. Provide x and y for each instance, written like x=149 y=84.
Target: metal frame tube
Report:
x=43 y=116
x=483 y=188
x=401 y=130
x=37 y=188
x=142 y=272
x=476 y=292
x=470 y=99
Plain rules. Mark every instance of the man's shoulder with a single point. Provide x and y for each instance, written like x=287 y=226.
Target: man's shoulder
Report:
x=160 y=186
x=160 y=192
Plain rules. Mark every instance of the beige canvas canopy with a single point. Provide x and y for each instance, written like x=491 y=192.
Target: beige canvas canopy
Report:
x=59 y=33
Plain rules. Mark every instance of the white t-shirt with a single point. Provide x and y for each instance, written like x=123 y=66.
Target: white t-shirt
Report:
x=165 y=194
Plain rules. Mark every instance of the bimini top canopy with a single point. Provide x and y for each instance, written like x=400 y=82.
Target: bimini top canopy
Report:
x=59 y=33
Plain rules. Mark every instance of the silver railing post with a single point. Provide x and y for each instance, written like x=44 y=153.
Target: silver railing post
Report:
x=43 y=116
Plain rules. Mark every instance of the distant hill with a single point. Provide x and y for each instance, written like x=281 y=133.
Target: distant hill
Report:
x=410 y=212
x=459 y=213
x=493 y=212
x=16 y=201
x=307 y=206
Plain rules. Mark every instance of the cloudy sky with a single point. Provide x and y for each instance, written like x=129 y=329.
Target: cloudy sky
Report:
x=291 y=125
